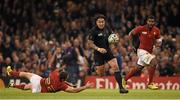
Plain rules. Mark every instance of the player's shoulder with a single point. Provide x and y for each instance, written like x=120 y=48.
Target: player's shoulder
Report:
x=93 y=29
x=141 y=26
x=92 y=32
x=156 y=28
x=137 y=29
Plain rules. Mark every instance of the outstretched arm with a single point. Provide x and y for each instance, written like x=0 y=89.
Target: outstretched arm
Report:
x=71 y=89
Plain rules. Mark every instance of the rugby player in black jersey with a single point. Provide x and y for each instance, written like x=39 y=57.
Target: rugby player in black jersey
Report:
x=98 y=40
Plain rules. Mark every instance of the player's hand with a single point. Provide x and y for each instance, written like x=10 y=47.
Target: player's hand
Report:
x=102 y=50
x=158 y=44
x=89 y=85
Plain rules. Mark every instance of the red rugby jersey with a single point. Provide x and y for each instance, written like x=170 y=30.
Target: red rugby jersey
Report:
x=147 y=37
x=52 y=83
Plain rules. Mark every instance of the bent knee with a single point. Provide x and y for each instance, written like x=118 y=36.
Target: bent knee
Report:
x=114 y=65
x=153 y=62
x=100 y=71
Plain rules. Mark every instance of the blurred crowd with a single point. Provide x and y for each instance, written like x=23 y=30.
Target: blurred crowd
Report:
x=37 y=35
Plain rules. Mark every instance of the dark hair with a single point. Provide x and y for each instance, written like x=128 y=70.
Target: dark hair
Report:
x=63 y=75
x=151 y=17
x=97 y=16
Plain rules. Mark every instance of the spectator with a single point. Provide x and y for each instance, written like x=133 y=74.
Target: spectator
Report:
x=35 y=28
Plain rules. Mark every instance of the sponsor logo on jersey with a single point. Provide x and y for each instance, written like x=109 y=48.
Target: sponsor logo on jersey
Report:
x=144 y=32
x=100 y=34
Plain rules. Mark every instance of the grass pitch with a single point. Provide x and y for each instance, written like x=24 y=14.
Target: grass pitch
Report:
x=102 y=94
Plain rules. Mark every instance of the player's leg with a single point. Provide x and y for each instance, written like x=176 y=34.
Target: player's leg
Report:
x=35 y=81
x=140 y=64
x=149 y=60
x=99 y=64
x=117 y=74
x=33 y=78
x=10 y=72
x=133 y=71
x=21 y=86
x=100 y=71
x=138 y=68
x=151 y=72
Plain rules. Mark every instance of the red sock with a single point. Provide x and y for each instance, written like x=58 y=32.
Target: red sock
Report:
x=131 y=73
x=151 y=72
x=14 y=73
x=21 y=86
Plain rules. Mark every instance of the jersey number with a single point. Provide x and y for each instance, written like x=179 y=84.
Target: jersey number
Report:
x=49 y=86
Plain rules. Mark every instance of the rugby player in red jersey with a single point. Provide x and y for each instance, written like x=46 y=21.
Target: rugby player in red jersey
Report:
x=54 y=83
x=147 y=37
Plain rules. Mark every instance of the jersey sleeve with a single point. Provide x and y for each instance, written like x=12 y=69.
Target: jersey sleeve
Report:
x=91 y=35
x=137 y=30
x=63 y=86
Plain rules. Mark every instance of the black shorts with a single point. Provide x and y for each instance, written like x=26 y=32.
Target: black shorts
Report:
x=101 y=59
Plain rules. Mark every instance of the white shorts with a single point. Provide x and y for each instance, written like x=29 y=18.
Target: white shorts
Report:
x=144 y=57
x=35 y=81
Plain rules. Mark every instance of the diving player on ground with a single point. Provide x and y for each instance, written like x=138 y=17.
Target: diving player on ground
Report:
x=54 y=83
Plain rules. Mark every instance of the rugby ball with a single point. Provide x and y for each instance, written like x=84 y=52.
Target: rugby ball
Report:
x=113 y=38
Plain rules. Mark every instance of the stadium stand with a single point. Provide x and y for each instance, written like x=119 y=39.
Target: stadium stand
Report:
x=30 y=31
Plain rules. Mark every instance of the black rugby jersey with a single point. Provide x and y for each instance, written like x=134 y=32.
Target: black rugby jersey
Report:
x=100 y=36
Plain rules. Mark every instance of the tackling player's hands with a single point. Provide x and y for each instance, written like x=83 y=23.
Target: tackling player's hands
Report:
x=102 y=50
x=89 y=85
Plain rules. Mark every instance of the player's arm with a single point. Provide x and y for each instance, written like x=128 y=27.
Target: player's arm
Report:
x=134 y=32
x=159 y=39
x=91 y=39
x=158 y=42
x=134 y=38
x=71 y=89
x=131 y=34
x=92 y=45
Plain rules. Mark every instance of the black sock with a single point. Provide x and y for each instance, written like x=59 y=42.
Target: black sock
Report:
x=118 y=78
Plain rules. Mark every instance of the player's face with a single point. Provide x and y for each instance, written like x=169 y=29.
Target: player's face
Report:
x=150 y=23
x=100 y=22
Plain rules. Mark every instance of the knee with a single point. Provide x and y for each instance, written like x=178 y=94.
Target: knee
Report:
x=153 y=62
x=140 y=68
x=114 y=68
x=100 y=71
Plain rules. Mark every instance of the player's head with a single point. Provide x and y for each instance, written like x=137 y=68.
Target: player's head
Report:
x=100 y=21
x=150 y=21
x=63 y=75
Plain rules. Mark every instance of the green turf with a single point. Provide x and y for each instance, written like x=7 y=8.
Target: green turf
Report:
x=10 y=93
